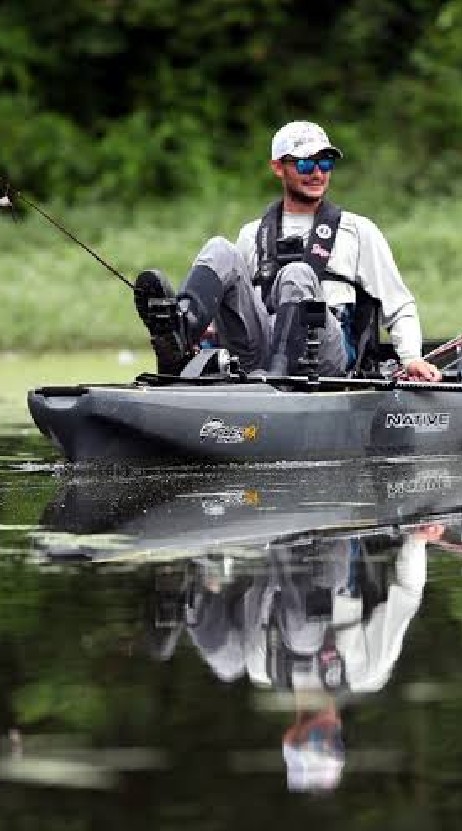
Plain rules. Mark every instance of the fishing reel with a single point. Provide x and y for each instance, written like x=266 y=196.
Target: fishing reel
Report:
x=7 y=201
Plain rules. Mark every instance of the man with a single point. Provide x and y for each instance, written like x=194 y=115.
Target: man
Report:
x=302 y=249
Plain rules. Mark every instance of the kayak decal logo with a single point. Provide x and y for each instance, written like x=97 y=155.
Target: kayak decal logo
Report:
x=420 y=422
x=215 y=429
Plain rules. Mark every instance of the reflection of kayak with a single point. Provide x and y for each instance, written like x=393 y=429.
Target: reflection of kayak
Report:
x=226 y=419
x=168 y=514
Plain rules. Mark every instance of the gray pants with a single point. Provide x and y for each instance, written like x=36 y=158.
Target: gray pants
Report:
x=244 y=324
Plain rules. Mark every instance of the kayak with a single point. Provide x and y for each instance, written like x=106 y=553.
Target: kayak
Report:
x=222 y=418
x=253 y=421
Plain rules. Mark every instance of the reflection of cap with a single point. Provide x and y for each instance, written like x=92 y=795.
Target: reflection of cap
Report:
x=316 y=763
x=301 y=139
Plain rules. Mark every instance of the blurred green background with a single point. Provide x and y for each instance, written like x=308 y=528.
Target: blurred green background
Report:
x=145 y=127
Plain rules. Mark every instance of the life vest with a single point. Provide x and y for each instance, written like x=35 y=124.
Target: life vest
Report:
x=359 y=320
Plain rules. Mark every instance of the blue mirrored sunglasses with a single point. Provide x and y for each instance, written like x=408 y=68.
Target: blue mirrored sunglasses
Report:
x=304 y=166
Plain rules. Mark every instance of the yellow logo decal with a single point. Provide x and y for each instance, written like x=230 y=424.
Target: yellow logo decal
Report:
x=250 y=432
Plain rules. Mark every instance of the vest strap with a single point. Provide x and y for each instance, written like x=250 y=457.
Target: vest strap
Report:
x=322 y=237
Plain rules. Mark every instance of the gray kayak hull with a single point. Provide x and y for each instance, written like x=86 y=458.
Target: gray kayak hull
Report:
x=247 y=422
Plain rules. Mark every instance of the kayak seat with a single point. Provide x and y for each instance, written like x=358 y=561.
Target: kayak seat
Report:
x=212 y=361
x=366 y=329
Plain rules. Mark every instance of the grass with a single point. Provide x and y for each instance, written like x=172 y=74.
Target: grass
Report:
x=21 y=372
x=54 y=296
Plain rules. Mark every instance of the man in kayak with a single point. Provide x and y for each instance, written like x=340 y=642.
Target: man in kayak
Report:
x=304 y=248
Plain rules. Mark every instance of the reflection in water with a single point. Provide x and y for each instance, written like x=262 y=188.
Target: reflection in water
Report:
x=162 y=513
x=273 y=585
x=323 y=619
x=230 y=643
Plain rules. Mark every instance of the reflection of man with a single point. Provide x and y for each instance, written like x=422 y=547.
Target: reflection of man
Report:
x=366 y=648
x=324 y=621
x=210 y=609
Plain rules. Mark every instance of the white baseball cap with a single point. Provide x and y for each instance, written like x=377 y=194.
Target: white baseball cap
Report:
x=301 y=139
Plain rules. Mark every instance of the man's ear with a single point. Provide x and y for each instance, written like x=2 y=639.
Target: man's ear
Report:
x=277 y=167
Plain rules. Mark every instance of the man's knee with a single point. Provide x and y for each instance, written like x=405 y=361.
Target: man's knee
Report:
x=294 y=282
x=302 y=276
x=222 y=257
x=217 y=244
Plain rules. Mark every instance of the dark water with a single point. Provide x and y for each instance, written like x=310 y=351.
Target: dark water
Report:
x=211 y=649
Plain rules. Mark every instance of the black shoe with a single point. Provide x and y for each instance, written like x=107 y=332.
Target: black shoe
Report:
x=160 y=312
x=150 y=285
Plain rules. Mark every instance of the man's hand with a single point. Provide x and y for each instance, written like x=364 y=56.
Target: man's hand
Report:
x=422 y=370
x=429 y=532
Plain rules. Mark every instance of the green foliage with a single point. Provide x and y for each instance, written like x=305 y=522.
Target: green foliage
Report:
x=137 y=157
x=125 y=103
x=424 y=107
x=57 y=155
x=157 y=96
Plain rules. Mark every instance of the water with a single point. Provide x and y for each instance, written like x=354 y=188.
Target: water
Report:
x=246 y=647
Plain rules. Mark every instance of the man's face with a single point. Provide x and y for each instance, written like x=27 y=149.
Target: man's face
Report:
x=300 y=185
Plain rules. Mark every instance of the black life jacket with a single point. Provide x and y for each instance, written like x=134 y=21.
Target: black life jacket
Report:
x=359 y=320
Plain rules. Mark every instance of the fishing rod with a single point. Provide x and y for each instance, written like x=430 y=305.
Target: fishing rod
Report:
x=443 y=348
x=6 y=201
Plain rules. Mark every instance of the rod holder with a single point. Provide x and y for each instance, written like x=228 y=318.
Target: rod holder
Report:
x=312 y=319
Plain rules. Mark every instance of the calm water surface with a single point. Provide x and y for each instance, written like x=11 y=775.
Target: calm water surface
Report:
x=251 y=647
